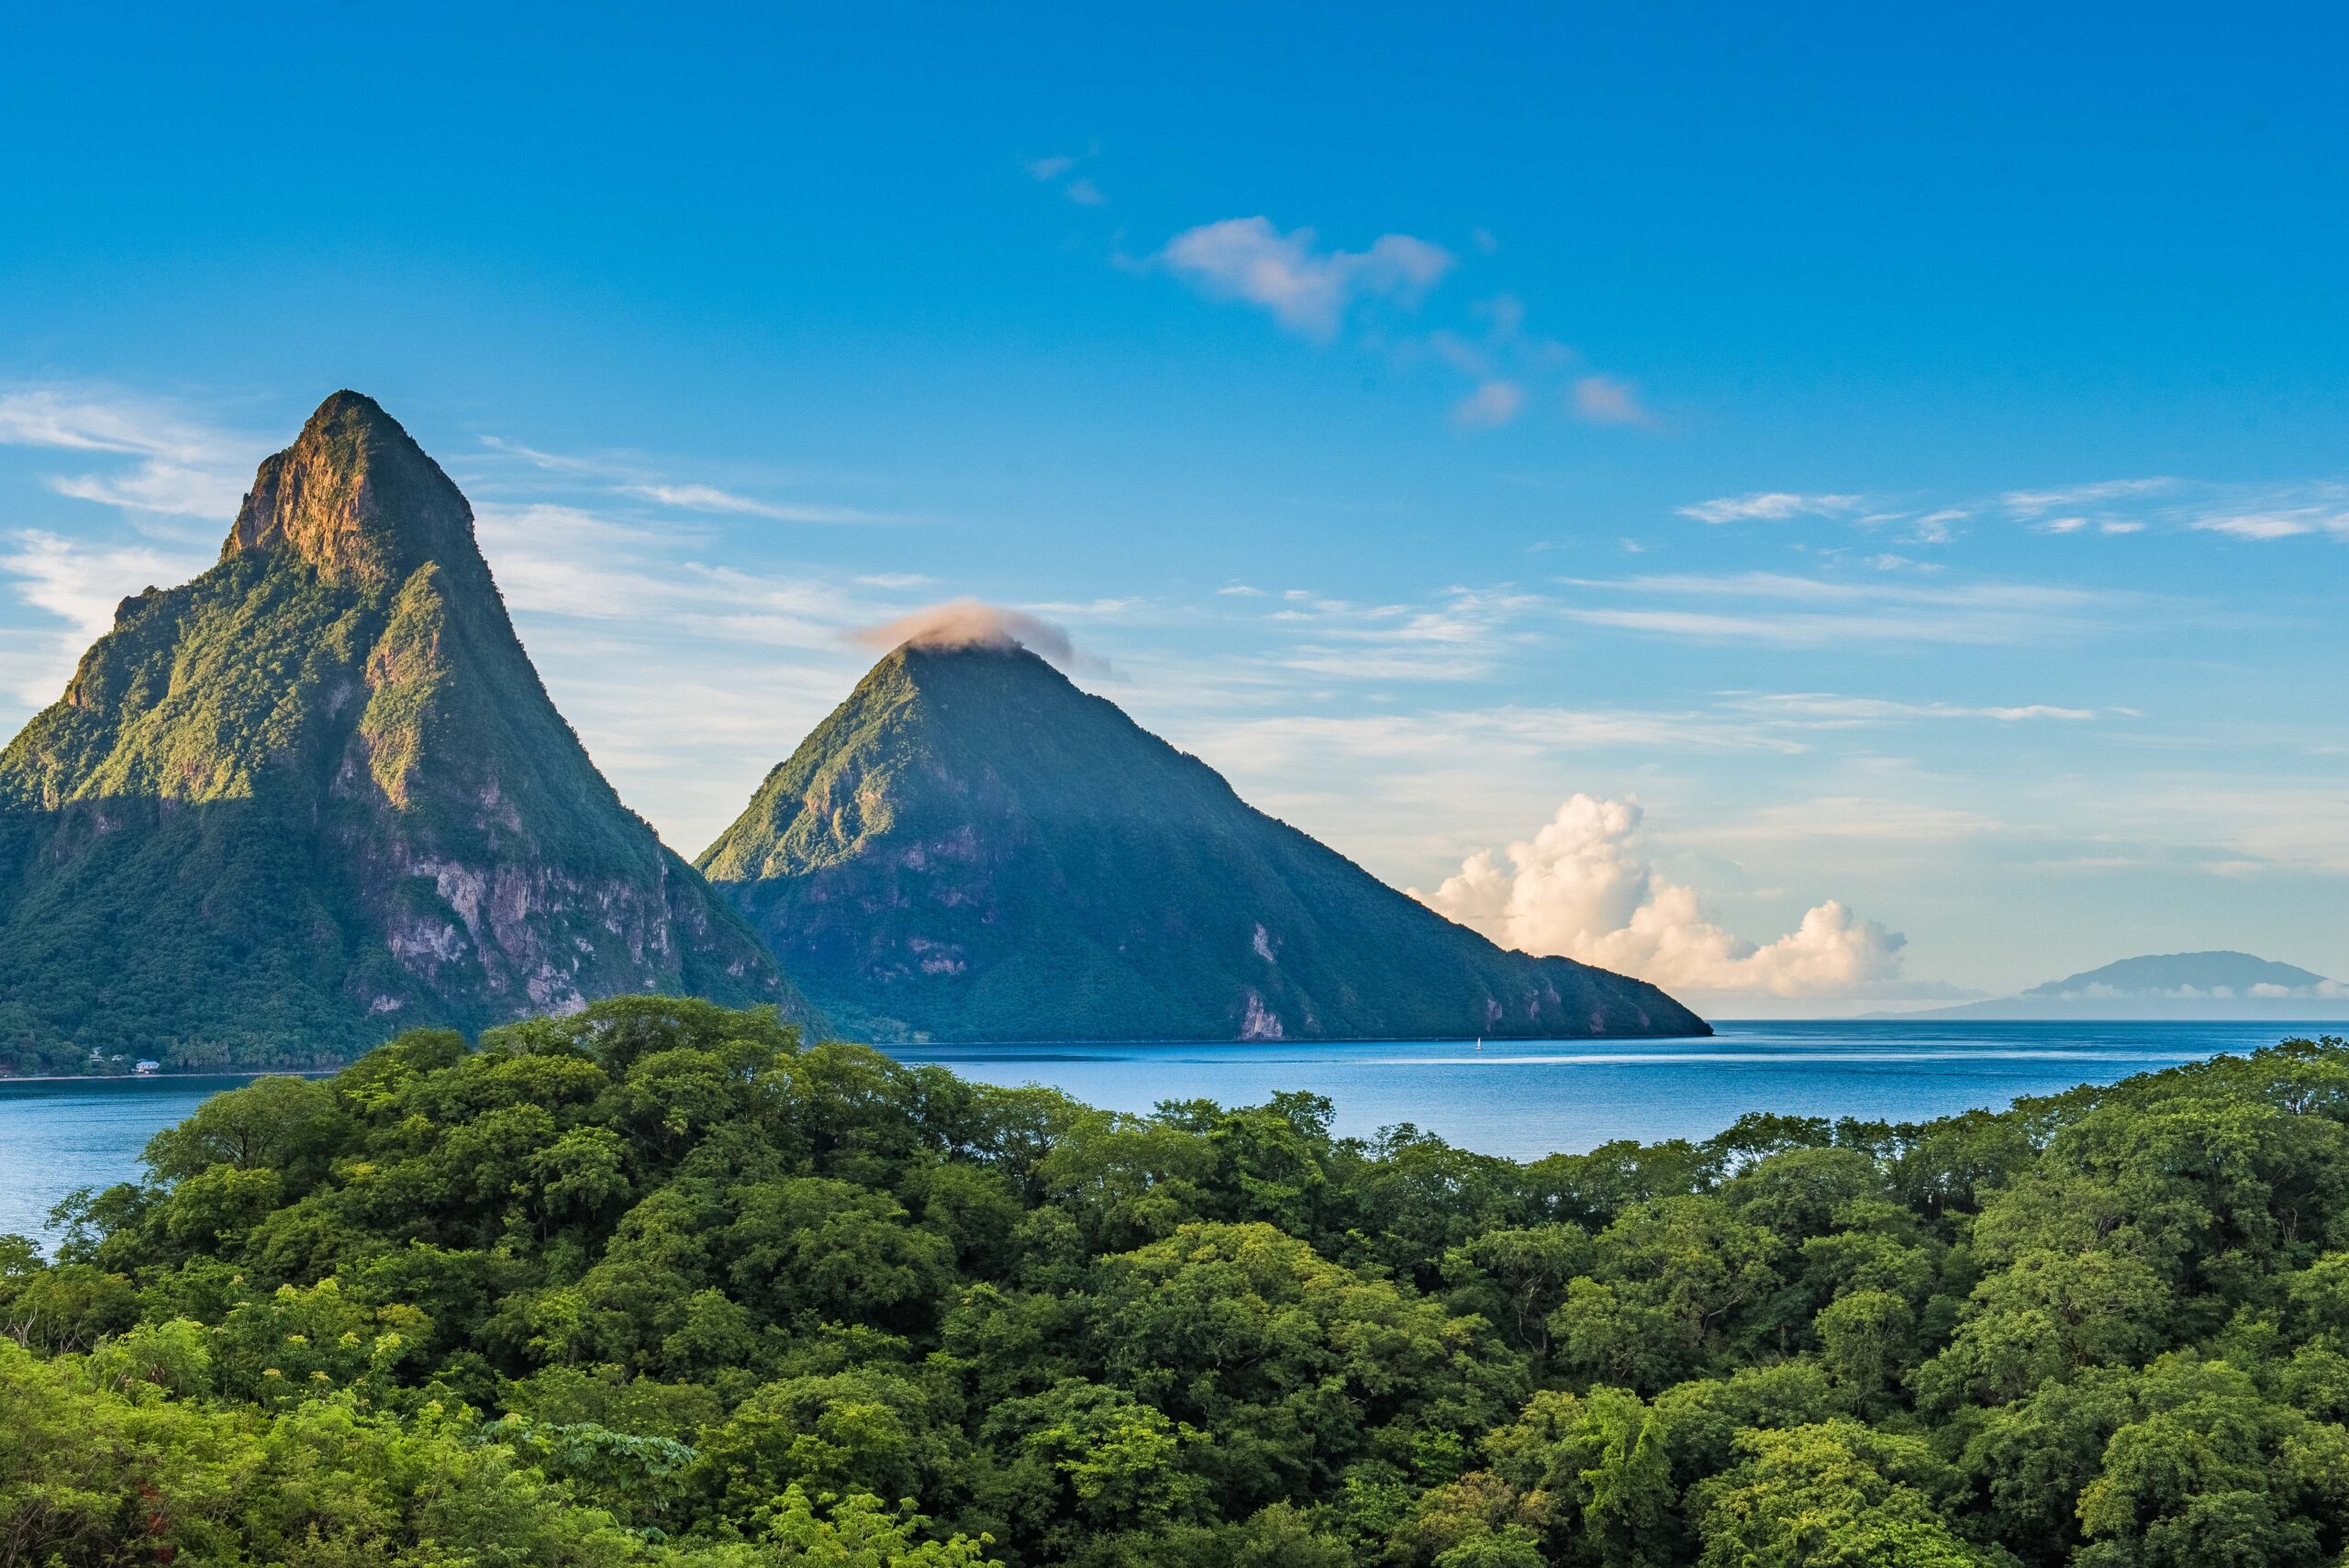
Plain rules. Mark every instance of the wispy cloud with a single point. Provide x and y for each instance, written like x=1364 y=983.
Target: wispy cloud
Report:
x=1307 y=289
x=2077 y=497
x=1459 y=636
x=710 y=498
x=1829 y=710
x=81 y=585
x=2256 y=525
x=1055 y=171
x=1492 y=402
x=170 y=462
x=1873 y=611
x=2255 y=513
x=1770 y=505
x=636 y=478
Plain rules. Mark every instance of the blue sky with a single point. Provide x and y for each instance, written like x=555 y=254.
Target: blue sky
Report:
x=1889 y=465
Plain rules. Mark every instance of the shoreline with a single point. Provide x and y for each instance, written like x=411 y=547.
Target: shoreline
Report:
x=165 y=1077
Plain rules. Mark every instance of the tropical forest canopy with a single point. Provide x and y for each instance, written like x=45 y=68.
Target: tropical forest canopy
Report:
x=656 y=1285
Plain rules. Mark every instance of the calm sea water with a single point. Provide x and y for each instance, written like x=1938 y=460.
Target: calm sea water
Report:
x=1522 y=1099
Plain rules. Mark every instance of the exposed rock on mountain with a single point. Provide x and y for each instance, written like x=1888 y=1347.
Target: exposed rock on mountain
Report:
x=319 y=795
x=971 y=848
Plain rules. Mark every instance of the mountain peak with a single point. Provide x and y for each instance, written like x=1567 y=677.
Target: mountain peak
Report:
x=319 y=794
x=968 y=626
x=357 y=499
x=2215 y=974
x=971 y=847
x=998 y=661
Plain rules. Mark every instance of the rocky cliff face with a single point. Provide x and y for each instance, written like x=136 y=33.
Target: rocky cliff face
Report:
x=971 y=848
x=319 y=794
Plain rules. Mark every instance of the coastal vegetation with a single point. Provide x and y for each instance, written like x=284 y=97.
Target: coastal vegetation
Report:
x=658 y=1283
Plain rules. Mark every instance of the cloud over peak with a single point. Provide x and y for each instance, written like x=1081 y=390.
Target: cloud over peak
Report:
x=967 y=623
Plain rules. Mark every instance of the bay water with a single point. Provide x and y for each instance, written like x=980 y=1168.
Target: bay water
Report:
x=1519 y=1098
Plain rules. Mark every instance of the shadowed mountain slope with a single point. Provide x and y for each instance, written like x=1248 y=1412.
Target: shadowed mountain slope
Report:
x=319 y=794
x=971 y=848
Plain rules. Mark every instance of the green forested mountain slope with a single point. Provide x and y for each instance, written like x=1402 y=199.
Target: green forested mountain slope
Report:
x=971 y=848
x=319 y=794
x=653 y=1284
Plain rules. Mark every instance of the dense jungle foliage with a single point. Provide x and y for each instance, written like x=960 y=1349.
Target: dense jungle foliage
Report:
x=655 y=1284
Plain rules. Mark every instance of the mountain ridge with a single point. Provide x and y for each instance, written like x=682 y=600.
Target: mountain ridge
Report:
x=971 y=848
x=319 y=793
x=2215 y=984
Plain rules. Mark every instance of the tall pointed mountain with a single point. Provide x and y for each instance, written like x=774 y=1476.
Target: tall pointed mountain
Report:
x=319 y=794
x=971 y=848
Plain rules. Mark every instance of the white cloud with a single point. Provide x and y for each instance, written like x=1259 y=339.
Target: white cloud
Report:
x=1306 y=290
x=1581 y=888
x=1459 y=638
x=710 y=498
x=1494 y=403
x=1048 y=169
x=967 y=623
x=1604 y=400
x=2032 y=502
x=1934 y=528
x=1769 y=505
x=81 y=586
x=1875 y=610
x=1831 y=710
x=2258 y=526
x=1083 y=193
x=174 y=465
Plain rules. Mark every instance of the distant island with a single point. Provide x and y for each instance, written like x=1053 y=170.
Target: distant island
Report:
x=2179 y=986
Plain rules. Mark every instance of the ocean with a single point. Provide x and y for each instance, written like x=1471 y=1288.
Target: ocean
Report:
x=1519 y=1098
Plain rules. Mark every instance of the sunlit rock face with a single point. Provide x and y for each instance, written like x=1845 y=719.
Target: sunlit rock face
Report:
x=319 y=794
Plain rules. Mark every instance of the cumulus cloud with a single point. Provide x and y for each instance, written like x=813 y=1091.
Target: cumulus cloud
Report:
x=1308 y=290
x=967 y=623
x=1581 y=888
x=1769 y=505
